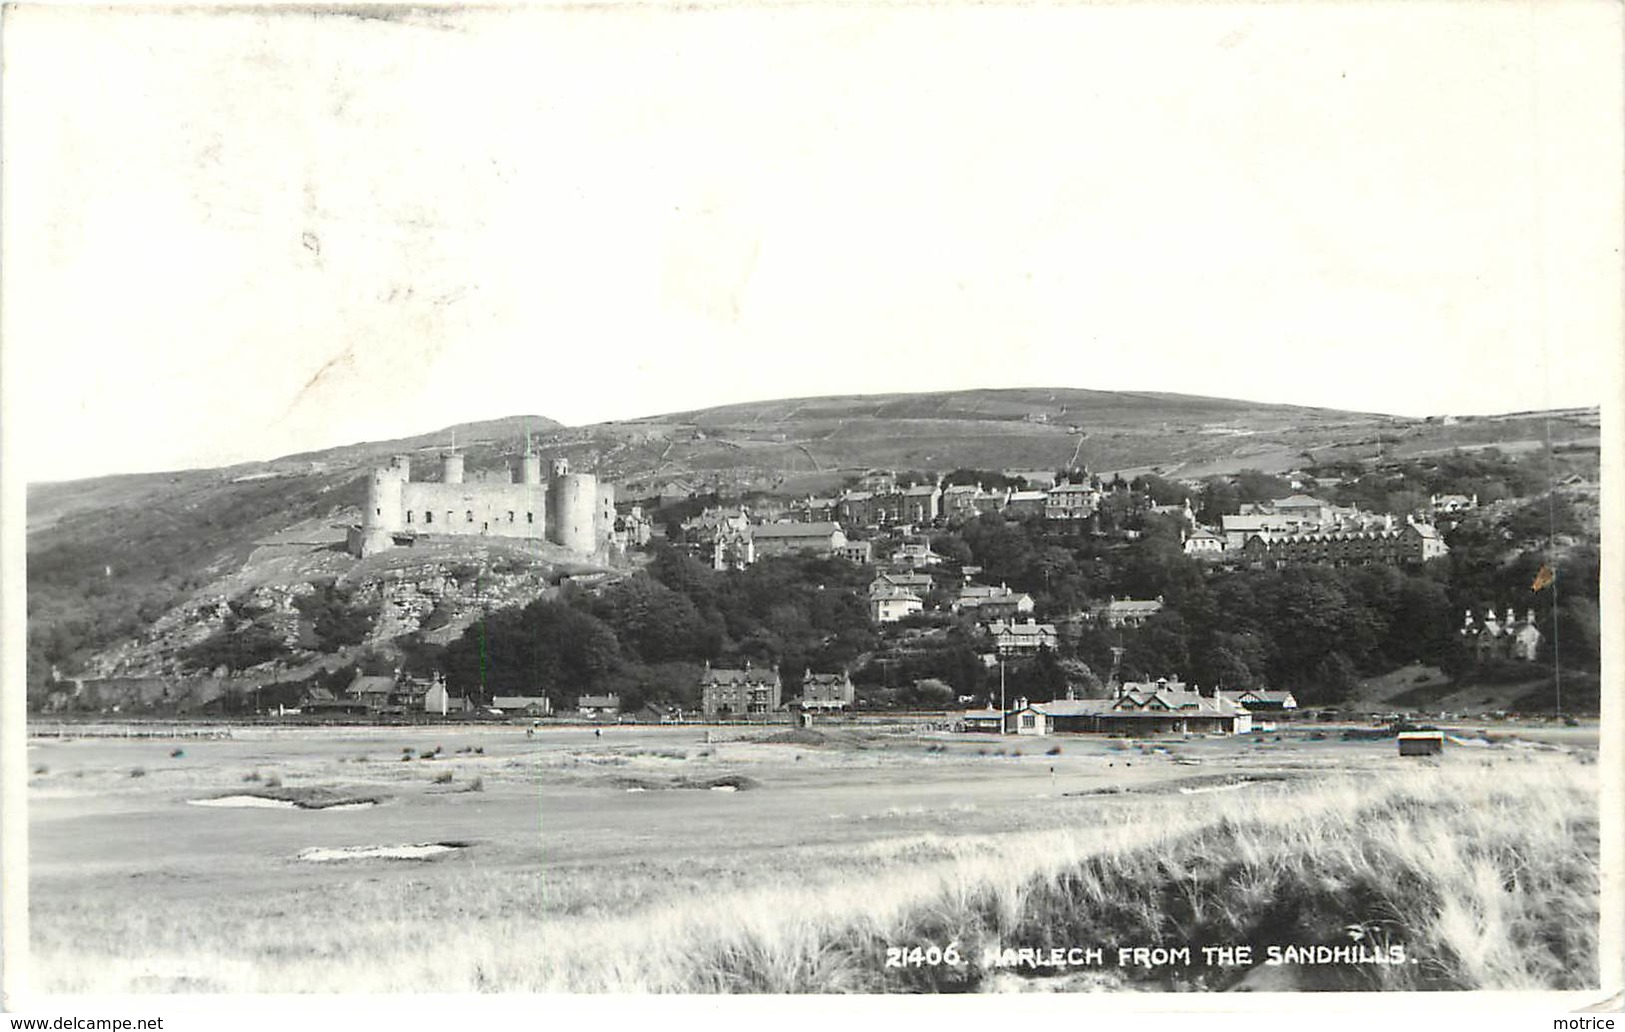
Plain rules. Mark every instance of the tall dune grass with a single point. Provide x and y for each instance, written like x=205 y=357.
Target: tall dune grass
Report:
x=1486 y=872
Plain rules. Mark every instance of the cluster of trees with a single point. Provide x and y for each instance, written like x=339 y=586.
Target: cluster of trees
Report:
x=647 y=636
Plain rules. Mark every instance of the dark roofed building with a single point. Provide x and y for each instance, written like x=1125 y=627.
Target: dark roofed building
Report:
x=827 y=691
x=726 y=692
x=790 y=538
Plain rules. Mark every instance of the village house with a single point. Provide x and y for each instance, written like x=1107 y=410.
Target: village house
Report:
x=1202 y=543
x=1413 y=543
x=438 y=699
x=1035 y=479
x=859 y=552
x=919 y=583
x=889 y=603
x=859 y=509
x=983 y=720
x=921 y=503
x=1124 y=612
x=375 y=691
x=731 y=693
x=984 y=604
x=1026 y=503
x=1071 y=502
x=827 y=692
x=599 y=705
x=1022 y=639
x=633 y=528
x=1452 y=503
x=1263 y=701
x=910 y=554
x=1027 y=719
x=655 y=713
x=529 y=705
x=1506 y=638
x=959 y=500
x=733 y=547
x=791 y=538
x=815 y=510
x=1183 y=512
x=883 y=481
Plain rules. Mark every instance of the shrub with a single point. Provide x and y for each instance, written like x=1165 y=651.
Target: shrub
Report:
x=426 y=755
x=252 y=775
x=273 y=781
x=1053 y=750
x=444 y=778
x=477 y=785
x=479 y=750
x=42 y=769
x=138 y=772
x=176 y=754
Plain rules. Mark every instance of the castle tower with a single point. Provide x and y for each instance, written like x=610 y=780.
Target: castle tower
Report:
x=451 y=467
x=572 y=508
x=402 y=465
x=382 y=515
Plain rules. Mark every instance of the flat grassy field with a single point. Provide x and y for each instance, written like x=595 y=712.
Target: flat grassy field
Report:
x=688 y=859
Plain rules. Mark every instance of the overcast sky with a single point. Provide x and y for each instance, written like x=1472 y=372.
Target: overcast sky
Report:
x=234 y=236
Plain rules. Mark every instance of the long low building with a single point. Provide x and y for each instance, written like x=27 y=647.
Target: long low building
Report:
x=1151 y=709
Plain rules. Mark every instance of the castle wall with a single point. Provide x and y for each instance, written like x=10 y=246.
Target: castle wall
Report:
x=499 y=510
x=604 y=520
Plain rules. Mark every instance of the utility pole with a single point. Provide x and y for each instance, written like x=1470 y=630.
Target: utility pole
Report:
x=1003 y=712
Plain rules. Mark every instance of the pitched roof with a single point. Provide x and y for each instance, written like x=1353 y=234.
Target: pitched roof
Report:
x=839 y=680
x=920 y=489
x=908 y=580
x=822 y=529
x=1265 y=695
x=1022 y=630
x=521 y=701
x=368 y=684
x=1075 y=707
x=754 y=675
x=1123 y=606
x=891 y=593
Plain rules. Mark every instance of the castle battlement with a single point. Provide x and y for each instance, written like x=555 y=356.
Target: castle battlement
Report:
x=569 y=509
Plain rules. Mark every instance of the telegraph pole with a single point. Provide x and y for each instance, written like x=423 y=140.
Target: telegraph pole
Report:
x=1003 y=712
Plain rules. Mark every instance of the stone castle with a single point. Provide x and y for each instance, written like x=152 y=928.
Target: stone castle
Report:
x=569 y=509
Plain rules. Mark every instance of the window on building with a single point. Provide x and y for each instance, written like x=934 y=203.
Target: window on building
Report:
x=1027 y=720
x=510 y=516
x=530 y=517
x=428 y=517
x=470 y=516
x=380 y=512
x=409 y=515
